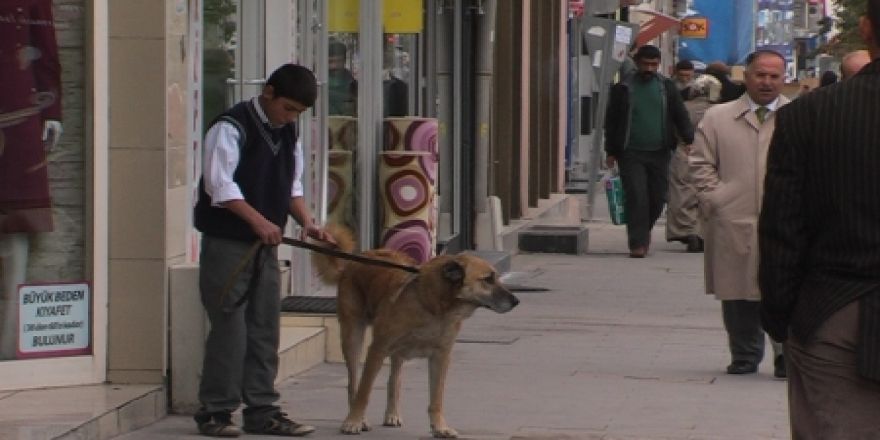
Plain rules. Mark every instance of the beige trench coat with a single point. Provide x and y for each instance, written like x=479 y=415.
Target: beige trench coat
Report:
x=728 y=162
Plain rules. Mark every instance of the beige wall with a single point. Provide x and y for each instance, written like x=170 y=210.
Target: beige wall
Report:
x=148 y=203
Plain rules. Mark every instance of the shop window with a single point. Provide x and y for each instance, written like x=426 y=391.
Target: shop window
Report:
x=45 y=297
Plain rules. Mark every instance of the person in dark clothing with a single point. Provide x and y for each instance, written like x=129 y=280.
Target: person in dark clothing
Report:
x=395 y=97
x=828 y=77
x=651 y=102
x=250 y=183
x=681 y=209
x=395 y=92
x=684 y=79
x=341 y=85
x=819 y=235
x=729 y=89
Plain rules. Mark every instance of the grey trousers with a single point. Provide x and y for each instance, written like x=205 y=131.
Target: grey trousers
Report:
x=827 y=398
x=681 y=211
x=241 y=353
x=645 y=177
x=745 y=336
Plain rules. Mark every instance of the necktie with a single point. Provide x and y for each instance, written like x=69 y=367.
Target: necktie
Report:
x=761 y=112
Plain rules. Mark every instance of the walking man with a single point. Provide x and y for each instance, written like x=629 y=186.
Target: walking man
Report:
x=651 y=102
x=250 y=184
x=820 y=251
x=681 y=211
x=728 y=166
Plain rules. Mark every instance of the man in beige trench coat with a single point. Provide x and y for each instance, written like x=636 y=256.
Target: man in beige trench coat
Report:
x=728 y=163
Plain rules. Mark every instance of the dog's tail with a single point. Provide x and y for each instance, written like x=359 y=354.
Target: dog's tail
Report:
x=329 y=268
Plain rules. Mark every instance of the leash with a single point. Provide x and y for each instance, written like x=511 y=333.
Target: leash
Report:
x=253 y=252
x=346 y=255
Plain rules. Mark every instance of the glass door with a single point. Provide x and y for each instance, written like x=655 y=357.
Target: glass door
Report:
x=234 y=56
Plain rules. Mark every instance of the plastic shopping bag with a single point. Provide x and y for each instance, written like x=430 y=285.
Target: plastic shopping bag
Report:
x=616 y=199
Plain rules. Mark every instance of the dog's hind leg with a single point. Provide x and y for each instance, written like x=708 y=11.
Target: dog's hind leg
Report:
x=354 y=423
x=392 y=412
x=438 y=365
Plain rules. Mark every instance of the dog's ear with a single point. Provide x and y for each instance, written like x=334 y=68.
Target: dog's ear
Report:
x=453 y=272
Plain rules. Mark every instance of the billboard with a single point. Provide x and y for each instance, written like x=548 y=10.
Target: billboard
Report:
x=774 y=30
x=717 y=30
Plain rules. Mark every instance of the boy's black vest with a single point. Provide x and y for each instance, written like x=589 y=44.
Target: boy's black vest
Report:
x=264 y=175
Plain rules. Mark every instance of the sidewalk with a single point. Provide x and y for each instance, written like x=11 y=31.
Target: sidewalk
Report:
x=618 y=348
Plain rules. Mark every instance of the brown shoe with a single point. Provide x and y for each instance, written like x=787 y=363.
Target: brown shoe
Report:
x=638 y=252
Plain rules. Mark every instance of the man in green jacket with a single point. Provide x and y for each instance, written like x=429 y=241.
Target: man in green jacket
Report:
x=646 y=119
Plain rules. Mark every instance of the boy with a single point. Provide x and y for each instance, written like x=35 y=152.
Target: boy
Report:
x=250 y=183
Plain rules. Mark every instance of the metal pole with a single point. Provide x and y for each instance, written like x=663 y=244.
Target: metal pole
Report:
x=456 y=117
x=369 y=117
x=596 y=153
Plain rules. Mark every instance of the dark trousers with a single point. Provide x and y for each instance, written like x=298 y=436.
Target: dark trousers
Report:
x=241 y=353
x=827 y=397
x=645 y=177
x=745 y=336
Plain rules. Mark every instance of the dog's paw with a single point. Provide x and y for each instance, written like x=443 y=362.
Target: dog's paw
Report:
x=392 y=420
x=354 y=426
x=443 y=432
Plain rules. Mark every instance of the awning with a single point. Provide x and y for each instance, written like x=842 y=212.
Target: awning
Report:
x=656 y=25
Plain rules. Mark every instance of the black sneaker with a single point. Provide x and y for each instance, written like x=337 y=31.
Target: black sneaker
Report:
x=279 y=424
x=742 y=367
x=217 y=424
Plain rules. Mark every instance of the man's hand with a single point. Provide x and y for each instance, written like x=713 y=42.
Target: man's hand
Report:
x=317 y=233
x=610 y=161
x=303 y=216
x=268 y=232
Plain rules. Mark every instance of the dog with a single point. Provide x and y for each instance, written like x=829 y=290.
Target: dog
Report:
x=411 y=315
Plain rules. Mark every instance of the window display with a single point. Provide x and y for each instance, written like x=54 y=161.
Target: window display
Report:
x=41 y=169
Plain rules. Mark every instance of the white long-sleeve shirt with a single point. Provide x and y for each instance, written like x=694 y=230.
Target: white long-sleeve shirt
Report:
x=220 y=159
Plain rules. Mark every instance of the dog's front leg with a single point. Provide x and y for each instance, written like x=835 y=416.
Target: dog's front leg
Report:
x=355 y=423
x=392 y=413
x=437 y=367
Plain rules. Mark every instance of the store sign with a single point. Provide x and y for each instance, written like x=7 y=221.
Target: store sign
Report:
x=694 y=27
x=342 y=15
x=402 y=16
x=54 y=320
x=398 y=16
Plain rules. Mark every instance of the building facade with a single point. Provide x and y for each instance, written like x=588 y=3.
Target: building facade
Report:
x=472 y=92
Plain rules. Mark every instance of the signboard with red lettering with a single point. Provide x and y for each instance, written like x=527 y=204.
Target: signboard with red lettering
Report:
x=694 y=27
x=54 y=320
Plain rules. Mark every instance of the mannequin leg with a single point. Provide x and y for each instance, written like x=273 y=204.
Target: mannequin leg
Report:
x=14 y=255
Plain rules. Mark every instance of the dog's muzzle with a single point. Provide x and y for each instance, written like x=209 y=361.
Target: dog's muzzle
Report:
x=501 y=300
